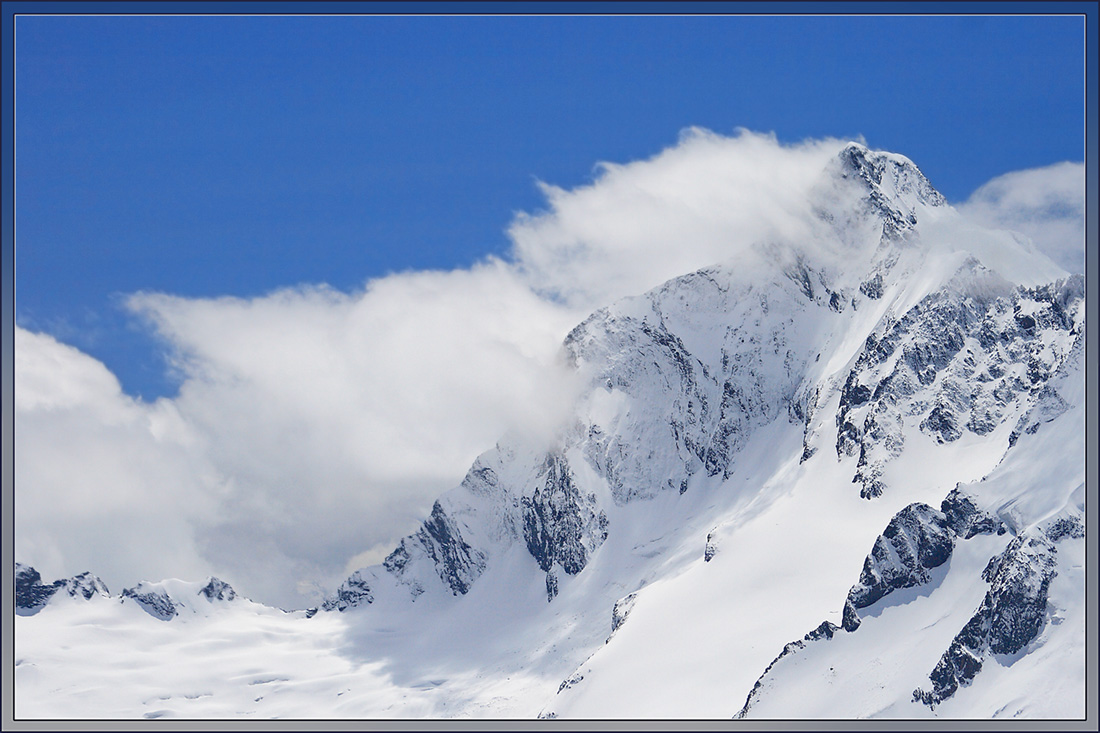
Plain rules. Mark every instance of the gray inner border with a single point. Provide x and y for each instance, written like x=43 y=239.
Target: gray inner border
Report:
x=7 y=389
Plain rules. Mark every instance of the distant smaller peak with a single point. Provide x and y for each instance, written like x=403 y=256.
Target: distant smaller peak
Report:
x=355 y=591
x=153 y=599
x=31 y=594
x=86 y=585
x=26 y=573
x=218 y=590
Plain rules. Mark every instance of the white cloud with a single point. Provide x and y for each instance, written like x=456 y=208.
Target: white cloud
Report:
x=1045 y=204
x=701 y=202
x=314 y=428
x=312 y=425
x=104 y=483
x=340 y=418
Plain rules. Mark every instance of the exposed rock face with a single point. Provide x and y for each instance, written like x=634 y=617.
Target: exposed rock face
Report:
x=621 y=610
x=440 y=540
x=1063 y=527
x=156 y=602
x=561 y=526
x=551 y=585
x=458 y=563
x=657 y=413
x=352 y=592
x=710 y=549
x=84 y=585
x=31 y=594
x=891 y=180
x=678 y=381
x=965 y=519
x=1011 y=615
x=572 y=681
x=917 y=539
x=218 y=590
x=872 y=287
x=956 y=362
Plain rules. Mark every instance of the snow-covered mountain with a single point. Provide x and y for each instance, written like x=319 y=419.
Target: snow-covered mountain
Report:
x=31 y=594
x=839 y=477
x=165 y=600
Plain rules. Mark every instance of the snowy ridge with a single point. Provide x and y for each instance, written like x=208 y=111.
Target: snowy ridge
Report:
x=163 y=600
x=31 y=594
x=749 y=437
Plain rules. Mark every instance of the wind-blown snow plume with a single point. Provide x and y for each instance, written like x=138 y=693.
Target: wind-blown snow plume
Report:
x=706 y=200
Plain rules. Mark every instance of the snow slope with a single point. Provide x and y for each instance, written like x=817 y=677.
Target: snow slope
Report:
x=690 y=544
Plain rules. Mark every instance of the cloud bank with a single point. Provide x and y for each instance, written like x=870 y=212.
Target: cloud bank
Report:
x=1045 y=204
x=706 y=200
x=314 y=428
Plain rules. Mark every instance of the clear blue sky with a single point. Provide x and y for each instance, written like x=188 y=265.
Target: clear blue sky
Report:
x=207 y=156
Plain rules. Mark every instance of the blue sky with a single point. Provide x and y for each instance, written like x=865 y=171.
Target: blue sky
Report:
x=208 y=156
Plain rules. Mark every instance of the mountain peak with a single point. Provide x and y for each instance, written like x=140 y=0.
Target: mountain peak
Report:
x=31 y=594
x=893 y=176
x=804 y=412
x=218 y=590
x=86 y=585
